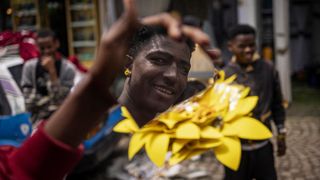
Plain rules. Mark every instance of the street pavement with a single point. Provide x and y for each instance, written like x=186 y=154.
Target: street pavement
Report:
x=302 y=161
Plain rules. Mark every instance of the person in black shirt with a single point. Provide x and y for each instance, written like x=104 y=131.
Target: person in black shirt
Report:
x=257 y=159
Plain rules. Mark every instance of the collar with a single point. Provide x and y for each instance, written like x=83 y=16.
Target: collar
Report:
x=249 y=67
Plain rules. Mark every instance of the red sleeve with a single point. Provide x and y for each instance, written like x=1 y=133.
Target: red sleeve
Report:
x=40 y=157
x=4 y=167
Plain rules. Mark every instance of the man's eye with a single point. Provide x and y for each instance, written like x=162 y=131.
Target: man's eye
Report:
x=158 y=60
x=185 y=70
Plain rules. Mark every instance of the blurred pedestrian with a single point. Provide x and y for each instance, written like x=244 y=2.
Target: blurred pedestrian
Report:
x=47 y=80
x=257 y=161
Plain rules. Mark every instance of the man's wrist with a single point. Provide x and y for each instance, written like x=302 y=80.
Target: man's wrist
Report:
x=282 y=130
x=281 y=136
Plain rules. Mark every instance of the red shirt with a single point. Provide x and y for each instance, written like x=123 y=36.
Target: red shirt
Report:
x=40 y=157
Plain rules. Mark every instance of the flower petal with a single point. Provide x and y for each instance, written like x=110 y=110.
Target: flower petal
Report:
x=249 y=128
x=188 y=130
x=157 y=148
x=153 y=128
x=222 y=76
x=136 y=143
x=168 y=122
x=230 y=79
x=205 y=144
x=246 y=105
x=180 y=156
x=229 y=130
x=230 y=116
x=126 y=126
x=196 y=152
x=229 y=153
x=243 y=107
x=245 y=92
x=210 y=132
x=178 y=144
x=125 y=113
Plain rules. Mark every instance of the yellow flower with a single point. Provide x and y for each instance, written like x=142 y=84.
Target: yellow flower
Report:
x=214 y=119
x=128 y=124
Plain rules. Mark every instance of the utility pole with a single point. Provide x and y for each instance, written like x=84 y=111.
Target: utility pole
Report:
x=249 y=13
x=282 y=45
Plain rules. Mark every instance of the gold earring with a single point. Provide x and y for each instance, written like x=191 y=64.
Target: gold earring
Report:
x=127 y=72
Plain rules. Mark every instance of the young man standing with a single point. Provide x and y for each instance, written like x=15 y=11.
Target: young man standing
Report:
x=257 y=159
x=47 y=80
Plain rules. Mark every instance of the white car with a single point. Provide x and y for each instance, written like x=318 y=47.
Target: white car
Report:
x=10 y=76
x=15 y=125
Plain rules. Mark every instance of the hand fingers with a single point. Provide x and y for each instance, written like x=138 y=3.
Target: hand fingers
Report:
x=281 y=148
x=125 y=26
x=172 y=25
x=129 y=8
x=214 y=53
x=175 y=29
x=46 y=58
x=197 y=35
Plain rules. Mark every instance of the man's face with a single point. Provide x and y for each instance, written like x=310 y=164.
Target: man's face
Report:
x=47 y=45
x=243 y=46
x=159 y=73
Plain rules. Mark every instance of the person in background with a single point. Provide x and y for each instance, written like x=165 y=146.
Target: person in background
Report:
x=53 y=150
x=257 y=159
x=47 y=80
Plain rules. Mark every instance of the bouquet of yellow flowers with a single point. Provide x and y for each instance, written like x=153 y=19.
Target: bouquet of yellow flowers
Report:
x=215 y=119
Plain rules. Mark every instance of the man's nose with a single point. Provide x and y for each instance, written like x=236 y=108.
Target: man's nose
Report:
x=171 y=72
x=248 y=49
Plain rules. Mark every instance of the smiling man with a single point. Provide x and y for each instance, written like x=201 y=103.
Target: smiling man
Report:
x=159 y=69
x=156 y=75
x=257 y=159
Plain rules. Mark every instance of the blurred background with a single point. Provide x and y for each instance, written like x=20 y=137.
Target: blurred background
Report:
x=287 y=29
x=288 y=33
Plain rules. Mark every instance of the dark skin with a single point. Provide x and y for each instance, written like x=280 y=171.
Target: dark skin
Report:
x=48 y=46
x=243 y=46
x=84 y=108
x=159 y=73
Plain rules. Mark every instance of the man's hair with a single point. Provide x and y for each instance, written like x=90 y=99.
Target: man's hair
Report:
x=241 y=29
x=43 y=33
x=145 y=34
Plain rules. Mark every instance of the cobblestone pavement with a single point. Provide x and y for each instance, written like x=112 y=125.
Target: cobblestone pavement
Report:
x=302 y=161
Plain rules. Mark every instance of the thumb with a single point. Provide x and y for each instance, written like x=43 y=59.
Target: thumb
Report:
x=125 y=26
x=129 y=8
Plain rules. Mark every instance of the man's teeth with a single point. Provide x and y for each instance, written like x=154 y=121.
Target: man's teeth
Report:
x=163 y=90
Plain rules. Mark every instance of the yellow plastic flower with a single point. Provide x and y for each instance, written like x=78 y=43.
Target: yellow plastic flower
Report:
x=214 y=119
